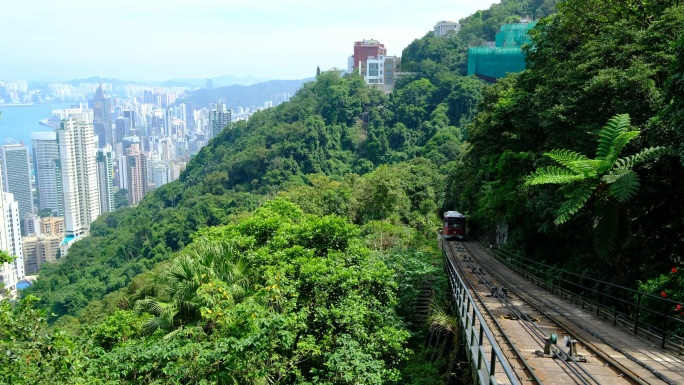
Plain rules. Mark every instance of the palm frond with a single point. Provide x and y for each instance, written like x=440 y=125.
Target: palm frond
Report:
x=623 y=184
x=553 y=175
x=609 y=133
x=605 y=228
x=574 y=161
x=575 y=201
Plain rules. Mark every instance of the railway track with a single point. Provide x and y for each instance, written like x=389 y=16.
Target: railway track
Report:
x=541 y=347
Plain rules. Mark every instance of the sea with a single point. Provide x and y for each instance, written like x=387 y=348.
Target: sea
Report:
x=17 y=122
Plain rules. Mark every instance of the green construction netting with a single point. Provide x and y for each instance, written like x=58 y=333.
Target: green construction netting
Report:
x=514 y=35
x=505 y=57
x=495 y=62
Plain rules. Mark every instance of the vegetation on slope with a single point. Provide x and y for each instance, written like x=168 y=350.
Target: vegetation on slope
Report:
x=382 y=167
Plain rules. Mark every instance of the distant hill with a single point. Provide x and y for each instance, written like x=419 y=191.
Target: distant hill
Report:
x=237 y=95
x=221 y=81
x=96 y=79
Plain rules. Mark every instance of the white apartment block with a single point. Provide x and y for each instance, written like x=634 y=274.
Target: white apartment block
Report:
x=10 y=242
x=77 y=154
x=8 y=271
x=442 y=28
x=380 y=72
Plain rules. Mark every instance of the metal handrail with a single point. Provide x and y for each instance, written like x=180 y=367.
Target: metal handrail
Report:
x=464 y=302
x=513 y=261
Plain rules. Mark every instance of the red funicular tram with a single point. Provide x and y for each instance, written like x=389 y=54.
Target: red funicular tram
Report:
x=454 y=225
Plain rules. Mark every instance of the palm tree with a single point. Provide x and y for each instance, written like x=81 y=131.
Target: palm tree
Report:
x=201 y=263
x=608 y=178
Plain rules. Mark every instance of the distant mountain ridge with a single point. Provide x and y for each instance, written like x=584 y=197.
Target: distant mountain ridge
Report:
x=235 y=96
x=221 y=81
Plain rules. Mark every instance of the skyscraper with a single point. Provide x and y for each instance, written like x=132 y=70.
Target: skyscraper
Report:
x=102 y=117
x=131 y=116
x=136 y=174
x=219 y=118
x=122 y=128
x=16 y=176
x=105 y=178
x=78 y=165
x=45 y=159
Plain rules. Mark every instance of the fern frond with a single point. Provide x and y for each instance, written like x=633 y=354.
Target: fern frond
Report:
x=605 y=228
x=642 y=156
x=575 y=201
x=553 y=175
x=600 y=166
x=574 y=161
x=620 y=142
x=623 y=184
x=608 y=134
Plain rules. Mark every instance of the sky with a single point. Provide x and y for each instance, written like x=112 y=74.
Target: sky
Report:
x=156 y=40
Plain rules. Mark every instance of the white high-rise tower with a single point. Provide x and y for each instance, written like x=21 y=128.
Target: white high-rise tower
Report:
x=10 y=242
x=77 y=161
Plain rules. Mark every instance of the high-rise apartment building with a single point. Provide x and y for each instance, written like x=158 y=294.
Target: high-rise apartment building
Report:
x=105 y=178
x=136 y=174
x=39 y=249
x=219 y=118
x=8 y=271
x=16 y=175
x=12 y=224
x=102 y=117
x=160 y=174
x=45 y=160
x=120 y=177
x=77 y=160
x=43 y=244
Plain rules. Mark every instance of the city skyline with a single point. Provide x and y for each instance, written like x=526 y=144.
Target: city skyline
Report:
x=157 y=41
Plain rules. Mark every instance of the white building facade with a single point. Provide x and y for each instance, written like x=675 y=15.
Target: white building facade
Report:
x=77 y=154
x=442 y=28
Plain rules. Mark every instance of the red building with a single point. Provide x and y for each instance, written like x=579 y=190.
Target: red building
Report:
x=367 y=48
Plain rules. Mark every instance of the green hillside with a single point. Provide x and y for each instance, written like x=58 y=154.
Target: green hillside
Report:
x=295 y=246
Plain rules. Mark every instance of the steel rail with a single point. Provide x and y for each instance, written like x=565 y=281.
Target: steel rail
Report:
x=535 y=330
x=567 y=360
x=605 y=356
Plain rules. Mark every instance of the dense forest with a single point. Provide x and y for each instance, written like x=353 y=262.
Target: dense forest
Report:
x=296 y=244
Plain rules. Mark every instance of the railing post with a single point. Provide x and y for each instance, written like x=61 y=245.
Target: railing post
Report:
x=636 y=317
x=665 y=319
x=492 y=364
